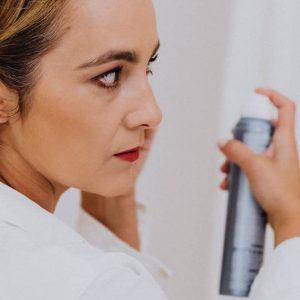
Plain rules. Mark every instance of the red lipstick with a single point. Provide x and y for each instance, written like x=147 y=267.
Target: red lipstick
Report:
x=129 y=155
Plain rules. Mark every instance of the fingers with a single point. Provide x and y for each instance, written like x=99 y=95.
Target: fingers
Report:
x=270 y=152
x=237 y=152
x=286 y=108
x=225 y=168
x=284 y=136
x=224 y=185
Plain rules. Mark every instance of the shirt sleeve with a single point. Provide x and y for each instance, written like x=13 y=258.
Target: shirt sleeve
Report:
x=101 y=237
x=279 y=277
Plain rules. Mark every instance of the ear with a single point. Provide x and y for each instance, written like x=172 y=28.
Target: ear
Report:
x=8 y=102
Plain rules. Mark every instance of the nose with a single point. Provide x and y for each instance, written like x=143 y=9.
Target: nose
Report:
x=146 y=111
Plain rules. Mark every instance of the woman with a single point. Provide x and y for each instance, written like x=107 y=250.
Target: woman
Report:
x=77 y=110
x=65 y=119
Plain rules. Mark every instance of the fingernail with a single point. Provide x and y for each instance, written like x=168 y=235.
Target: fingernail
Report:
x=222 y=143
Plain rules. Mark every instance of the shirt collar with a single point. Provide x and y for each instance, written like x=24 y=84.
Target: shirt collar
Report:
x=20 y=211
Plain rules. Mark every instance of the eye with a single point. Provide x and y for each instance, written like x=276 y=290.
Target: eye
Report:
x=151 y=61
x=109 y=79
x=153 y=58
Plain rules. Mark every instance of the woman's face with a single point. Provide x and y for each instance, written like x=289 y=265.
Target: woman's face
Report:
x=86 y=110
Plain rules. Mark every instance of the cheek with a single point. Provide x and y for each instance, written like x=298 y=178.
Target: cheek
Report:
x=66 y=142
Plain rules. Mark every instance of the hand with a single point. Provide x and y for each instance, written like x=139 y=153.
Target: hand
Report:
x=274 y=176
x=119 y=213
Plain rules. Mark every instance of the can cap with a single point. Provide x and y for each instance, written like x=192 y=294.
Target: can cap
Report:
x=258 y=107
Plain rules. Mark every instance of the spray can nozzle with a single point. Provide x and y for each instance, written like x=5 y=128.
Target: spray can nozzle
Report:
x=258 y=107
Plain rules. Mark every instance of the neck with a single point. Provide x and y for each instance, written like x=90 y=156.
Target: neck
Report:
x=19 y=175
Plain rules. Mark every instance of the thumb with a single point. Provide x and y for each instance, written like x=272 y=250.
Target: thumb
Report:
x=238 y=153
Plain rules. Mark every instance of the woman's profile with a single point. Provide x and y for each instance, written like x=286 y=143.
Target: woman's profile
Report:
x=77 y=110
x=75 y=98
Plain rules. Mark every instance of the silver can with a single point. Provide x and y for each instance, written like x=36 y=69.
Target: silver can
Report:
x=246 y=220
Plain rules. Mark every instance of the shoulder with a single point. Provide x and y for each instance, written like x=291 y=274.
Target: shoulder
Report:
x=32 y=268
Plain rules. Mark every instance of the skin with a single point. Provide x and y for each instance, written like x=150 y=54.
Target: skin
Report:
x=75 y=124
x=119 y=214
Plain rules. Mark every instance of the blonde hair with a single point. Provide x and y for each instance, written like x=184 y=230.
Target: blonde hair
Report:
x=29 y=29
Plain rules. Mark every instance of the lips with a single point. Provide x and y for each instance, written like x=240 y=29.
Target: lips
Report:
x=129 y=155
x=128 y=151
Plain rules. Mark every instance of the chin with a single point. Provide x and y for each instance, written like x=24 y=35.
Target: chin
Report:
x=120 y=191
x=109 y=185
x=114 y=189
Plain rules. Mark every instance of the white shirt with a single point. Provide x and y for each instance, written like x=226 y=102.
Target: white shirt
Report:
x=279 y=278
x=43 y=258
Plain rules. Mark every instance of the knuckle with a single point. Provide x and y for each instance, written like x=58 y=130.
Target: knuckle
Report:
x=291 y=105
x=230 y=146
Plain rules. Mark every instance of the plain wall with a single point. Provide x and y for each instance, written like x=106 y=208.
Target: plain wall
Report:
x=179 y=180
x=263 y=50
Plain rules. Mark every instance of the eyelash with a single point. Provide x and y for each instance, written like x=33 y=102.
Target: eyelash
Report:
x=117 y=71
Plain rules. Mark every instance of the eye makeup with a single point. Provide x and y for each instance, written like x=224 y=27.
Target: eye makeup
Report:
x=111 y=79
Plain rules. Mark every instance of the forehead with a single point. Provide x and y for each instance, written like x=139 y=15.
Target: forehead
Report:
x=99 y=25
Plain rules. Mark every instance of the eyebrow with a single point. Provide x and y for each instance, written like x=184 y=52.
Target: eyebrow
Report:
x=112 y=55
